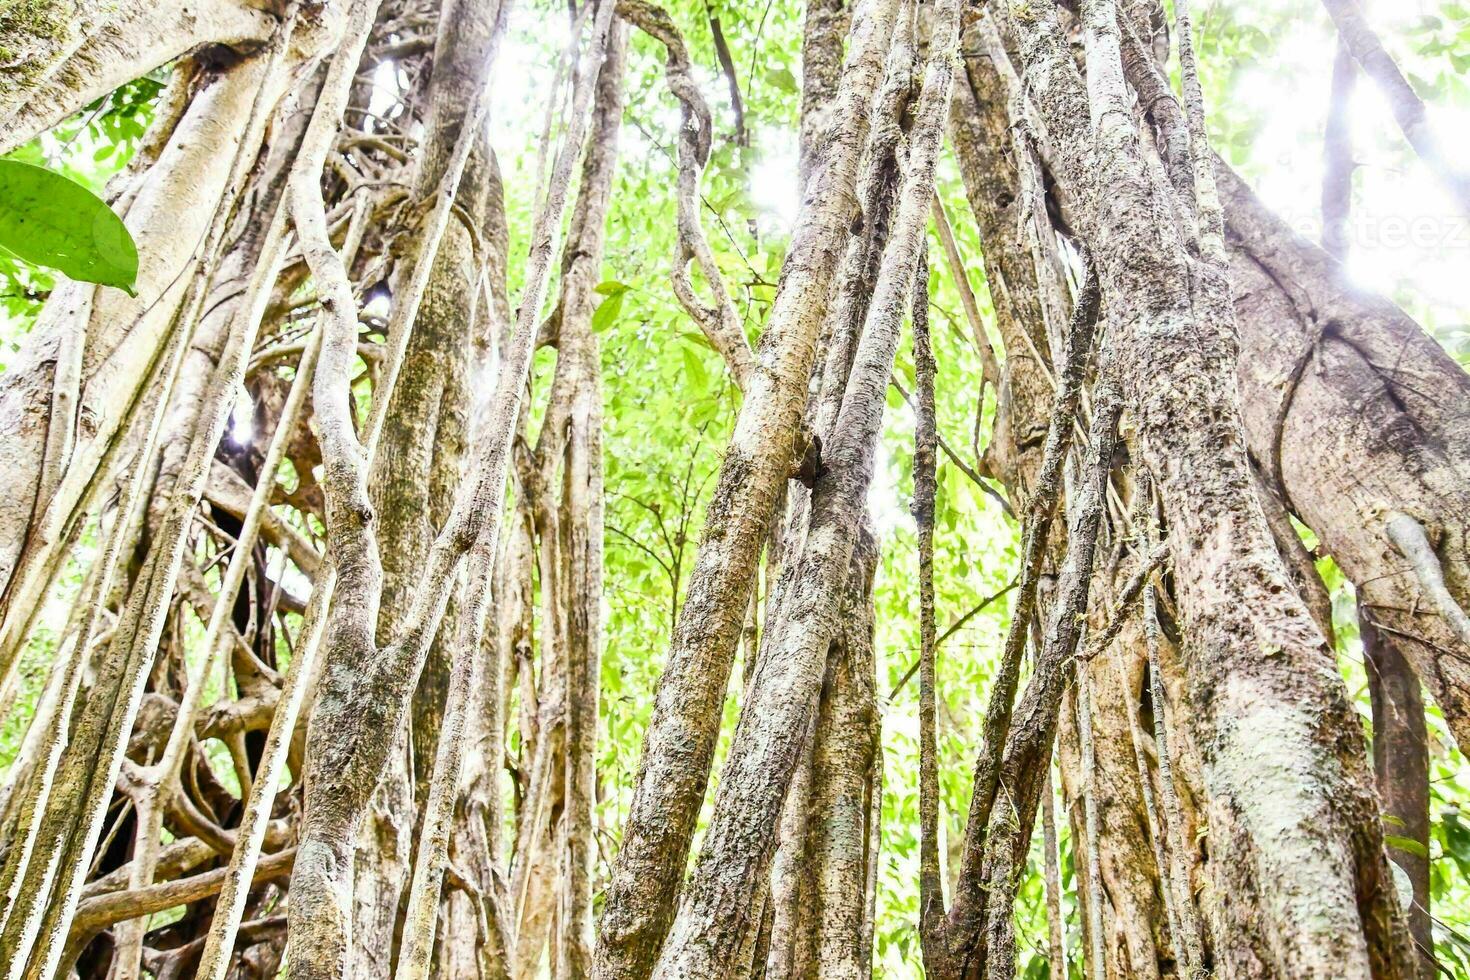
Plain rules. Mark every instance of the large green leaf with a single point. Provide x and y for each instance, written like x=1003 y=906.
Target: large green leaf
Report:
x=49 y=220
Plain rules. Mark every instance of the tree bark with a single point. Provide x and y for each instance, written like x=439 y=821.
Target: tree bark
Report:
x=1309 y=851
x=1401 y=766
x=1353 y=412
x=783 y=691
x=422 y=454
x=679 y=742
x=59 y=55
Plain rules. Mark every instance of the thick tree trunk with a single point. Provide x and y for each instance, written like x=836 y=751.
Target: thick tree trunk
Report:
x=58 y=55
x=784 y=690
x=1355 y=413
x=837 y=832
x=38 y=923
x=168 y=213
x=422 y=457
x=1307 y=889
x=367 y=688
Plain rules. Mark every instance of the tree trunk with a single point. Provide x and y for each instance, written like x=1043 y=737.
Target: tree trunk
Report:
x=679 y=742
x=1306 y=885
x=1401 y=765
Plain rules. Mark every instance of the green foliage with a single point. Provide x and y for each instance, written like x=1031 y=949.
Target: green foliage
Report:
x=88 y=148
x=49 y=220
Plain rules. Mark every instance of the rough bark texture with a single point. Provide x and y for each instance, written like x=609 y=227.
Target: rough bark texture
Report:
x=1262 y=392
x=679 y=741
x=168 y=213
x=1349 y=435
x=821 y=69
x=367 y=688
x=1307 y=887
x=783 y=691
x=421 y=458
x=59 y=55
x=37 y=924
x=1401 y=766
x=838 y=825
x=1028 y=747
x=991 y=166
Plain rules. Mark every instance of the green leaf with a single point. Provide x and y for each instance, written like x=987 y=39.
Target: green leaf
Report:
x=51 y=221
x=607 y=311
x=782 y=79
x=611 y=288
x=696 y=375
x=1406 y=844
x=698 y=339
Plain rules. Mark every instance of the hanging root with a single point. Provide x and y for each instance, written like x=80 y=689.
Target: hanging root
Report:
x=1412 y=541
x=1131 y=590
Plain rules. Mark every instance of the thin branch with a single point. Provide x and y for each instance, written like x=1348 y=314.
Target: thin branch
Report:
x=721 y=322
x=952 y=629
x=727 y=66
x=1408 y=109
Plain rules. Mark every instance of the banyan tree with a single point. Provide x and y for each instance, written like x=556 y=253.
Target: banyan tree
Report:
x=510 y=489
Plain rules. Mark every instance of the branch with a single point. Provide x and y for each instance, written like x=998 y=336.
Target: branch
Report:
x=1408 y=108
x=1209 y=213
x=727 y=65
x=952 y=629
x=1131 y=590
x=959 y=463
x=966 y=913
x=96 y=914
x=720 y=323
x=1337 y=156
x=989 y=365
x=931 y=890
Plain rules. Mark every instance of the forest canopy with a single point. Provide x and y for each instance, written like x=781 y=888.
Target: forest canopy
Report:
x=510 y=489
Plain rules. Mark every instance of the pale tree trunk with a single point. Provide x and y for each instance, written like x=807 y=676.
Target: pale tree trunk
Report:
x=1137 y=931
x=367 y=688
x=784 y=690
x=40 y=919
x=827 y=22
x=837 y=831
x=1280 y=279
x=1336 y=410
x=1341 y=433
x=58 y=55
x=168 y=213
x=1350 y=436
x=581 y=521
x=570 y=436
x=1023 y=766
x=933 y=941
x=238 y=292
x=788 y=891
x=828 y=839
